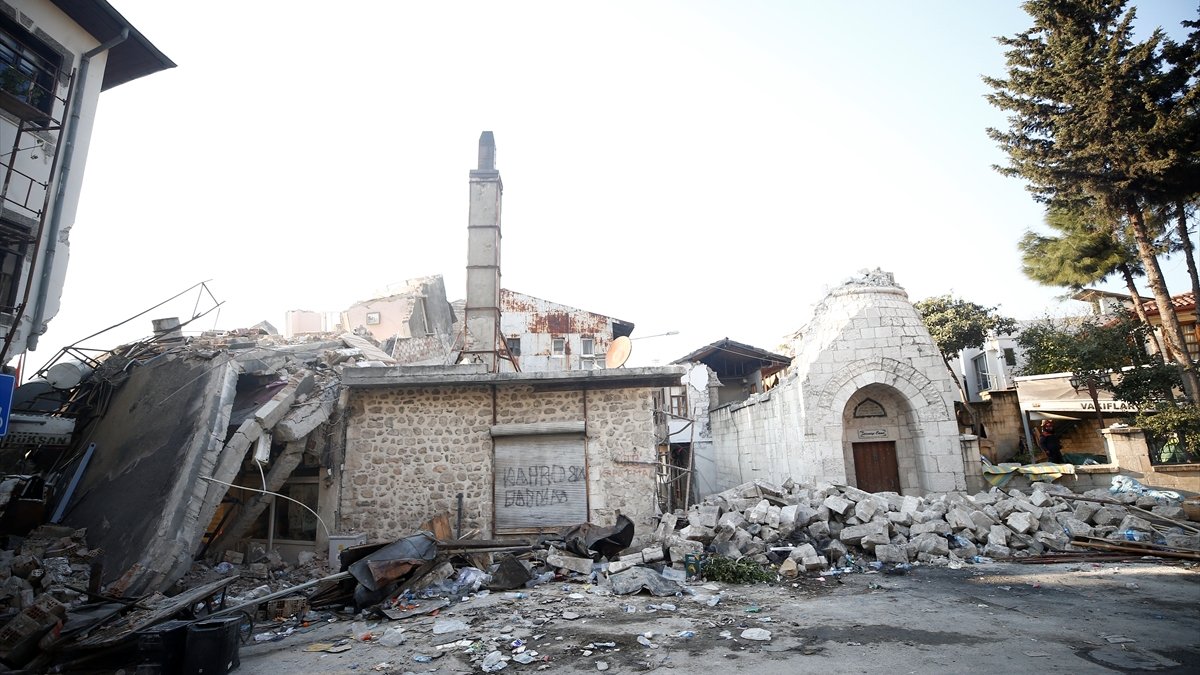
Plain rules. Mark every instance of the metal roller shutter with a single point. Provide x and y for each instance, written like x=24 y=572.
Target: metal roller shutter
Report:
x=540 y=483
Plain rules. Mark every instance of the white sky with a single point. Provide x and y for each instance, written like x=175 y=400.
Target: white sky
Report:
x=705 y=167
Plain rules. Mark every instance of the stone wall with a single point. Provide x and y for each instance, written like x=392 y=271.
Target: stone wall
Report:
x=1000 y=414
x=411 y=450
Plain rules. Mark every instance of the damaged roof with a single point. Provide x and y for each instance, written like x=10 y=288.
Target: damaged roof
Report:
x=727 y=357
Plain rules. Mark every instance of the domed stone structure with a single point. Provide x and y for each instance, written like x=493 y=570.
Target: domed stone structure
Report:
x=868 y=402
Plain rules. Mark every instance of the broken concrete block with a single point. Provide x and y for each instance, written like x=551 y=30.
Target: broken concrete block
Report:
x=704 y=516
x=742 y=539
x=835 y=550
x=938 y=526
x=1085 y=511
x=855 y=533
x=773 y=517
x=1022 y=522
x=959 y=519
x=697 y=533
x=865 y=509
x=899 y=518
x=1073 y=526
x=802 y=551
x=931 y=543
x=1056 y=541
x=769 y=535
x=565 y=561
x=998 y=535
x=854 y=494
x=836 y=504
x=666 y=526
x=1108 y=516
x=758 y=514
x=997 y=551
x=910 y=504
x=1040 y=498
x=788 y=568
x=1190 y=541
x=733 y=519
x=787 y=517
x=983 y=499
x=889 y=553
x=1134 y=524
x=875 y=539
x=819 y=530
x=982 y=520
x=1169 y=511
x=814 y=563
x=1035 y=511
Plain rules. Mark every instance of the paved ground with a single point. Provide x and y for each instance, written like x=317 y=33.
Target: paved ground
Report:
x=994 y=618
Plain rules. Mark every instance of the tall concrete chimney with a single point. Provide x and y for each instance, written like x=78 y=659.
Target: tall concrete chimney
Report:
x=482 y=315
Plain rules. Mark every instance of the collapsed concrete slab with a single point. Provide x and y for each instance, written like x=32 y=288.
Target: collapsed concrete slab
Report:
x=140 y=495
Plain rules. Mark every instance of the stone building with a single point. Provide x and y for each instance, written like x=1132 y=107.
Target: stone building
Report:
x=867 y=401
x=528 y=452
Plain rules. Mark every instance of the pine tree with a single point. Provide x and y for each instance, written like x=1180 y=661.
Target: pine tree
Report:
x=1099 y=121
x=1083 y=253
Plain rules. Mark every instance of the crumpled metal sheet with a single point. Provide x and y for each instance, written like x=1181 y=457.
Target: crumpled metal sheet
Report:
x=634 y=579
x=394 y=561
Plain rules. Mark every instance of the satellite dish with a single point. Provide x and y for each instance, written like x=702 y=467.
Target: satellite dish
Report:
x=618 y=352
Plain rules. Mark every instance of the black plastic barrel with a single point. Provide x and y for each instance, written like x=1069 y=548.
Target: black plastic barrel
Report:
x=212 y=646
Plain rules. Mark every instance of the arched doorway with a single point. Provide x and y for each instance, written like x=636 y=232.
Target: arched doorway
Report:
x=879 y=441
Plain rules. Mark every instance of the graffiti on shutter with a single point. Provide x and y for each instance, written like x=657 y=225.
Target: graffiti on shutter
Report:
x=540 y=483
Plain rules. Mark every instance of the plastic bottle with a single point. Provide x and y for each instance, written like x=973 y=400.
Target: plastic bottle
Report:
x=1134 y=535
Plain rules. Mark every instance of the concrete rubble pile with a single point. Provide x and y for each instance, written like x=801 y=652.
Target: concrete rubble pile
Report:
x=834 y=526
x=188 y=415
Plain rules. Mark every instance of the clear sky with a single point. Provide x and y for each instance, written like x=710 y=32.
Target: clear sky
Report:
x=710 y=168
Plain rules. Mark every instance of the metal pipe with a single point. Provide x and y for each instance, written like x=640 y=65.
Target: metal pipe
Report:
x=458 y=528
x=68 y=152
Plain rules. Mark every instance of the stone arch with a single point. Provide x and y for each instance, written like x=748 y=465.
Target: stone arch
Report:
x=923 y=395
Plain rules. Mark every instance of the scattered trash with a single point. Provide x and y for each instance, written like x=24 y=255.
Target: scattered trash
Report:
x=443 y=626
x=493 y=662
x=759 y=634
x=602 y=665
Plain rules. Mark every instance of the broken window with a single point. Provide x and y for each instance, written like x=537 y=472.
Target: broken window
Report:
x=514 y=345
x=1174 y=448
x=558 y=346
x=1010 y=356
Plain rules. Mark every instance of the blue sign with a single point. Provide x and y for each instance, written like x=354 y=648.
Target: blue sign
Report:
x=7 y=383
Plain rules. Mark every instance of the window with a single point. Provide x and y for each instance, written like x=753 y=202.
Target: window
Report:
x=372 y=318
x=558 y=346
x=514 y=345
x=1191 y=340
x=679 y=403
x=587 y=346
x=1174 y=449
x=982 y=378
x=28 y=67
x=14 y=244
x=1010 y=357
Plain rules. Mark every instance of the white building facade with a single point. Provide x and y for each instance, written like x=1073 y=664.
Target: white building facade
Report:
x=56 y=57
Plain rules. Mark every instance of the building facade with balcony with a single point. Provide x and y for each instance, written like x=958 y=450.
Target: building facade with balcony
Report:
x=56 y=57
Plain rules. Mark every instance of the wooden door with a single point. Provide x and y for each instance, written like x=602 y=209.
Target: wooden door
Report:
x=875 y=467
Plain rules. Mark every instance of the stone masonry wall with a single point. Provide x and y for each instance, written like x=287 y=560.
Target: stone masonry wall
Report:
x=410 y=451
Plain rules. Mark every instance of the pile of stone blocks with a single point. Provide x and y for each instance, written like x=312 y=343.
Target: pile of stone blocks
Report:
x=813 y=528
x=52 y=560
